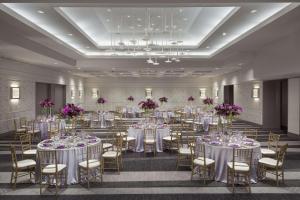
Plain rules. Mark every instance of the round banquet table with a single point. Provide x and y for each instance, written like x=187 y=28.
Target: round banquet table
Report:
x=71 y=153
x=138 y=134
x=222 y=154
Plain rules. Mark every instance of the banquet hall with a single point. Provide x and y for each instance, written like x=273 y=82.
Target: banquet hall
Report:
x=160 y=99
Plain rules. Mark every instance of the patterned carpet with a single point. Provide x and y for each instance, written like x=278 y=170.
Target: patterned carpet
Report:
x=157 y=178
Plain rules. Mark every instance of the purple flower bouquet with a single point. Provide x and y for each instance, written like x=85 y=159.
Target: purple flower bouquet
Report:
x=149 y=104
x=101 y=100
x=208 y=101
x=191 y=98
x=130 y=98
x=163 y=99
x=71 y=111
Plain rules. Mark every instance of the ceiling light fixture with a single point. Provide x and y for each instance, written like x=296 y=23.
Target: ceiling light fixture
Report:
x=70 y=34
x=41 y=12
x=224 y=34
x=253 y=11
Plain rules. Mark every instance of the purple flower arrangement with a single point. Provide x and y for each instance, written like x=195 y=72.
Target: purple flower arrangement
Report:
x=191 y=98
x=148 y=104
x=47 y=103
x=70 y=111
x=101 y=100
x=228 y=110
x=163 y=99
x=130 y=98
x=208 y=101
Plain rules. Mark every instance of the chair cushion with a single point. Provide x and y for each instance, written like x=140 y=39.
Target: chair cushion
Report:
x=28 y=163
x=107 y=145
x=129 y=139
x=169 y=138
x=185 y=151
x=50 y=169
x=110 y=154
x=270 y=162
x=121 y=134
x=92 y=163
x=200 y=161
x=239 y=166
x=30 y=152
x=268 y=152
x=21 y=130
x=149 y=141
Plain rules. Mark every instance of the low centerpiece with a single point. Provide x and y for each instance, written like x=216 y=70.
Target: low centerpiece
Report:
x=47 y=105
x=209 y=102
x=71 y=111
x=101 y=101
x=148 y=106
x=229 y=111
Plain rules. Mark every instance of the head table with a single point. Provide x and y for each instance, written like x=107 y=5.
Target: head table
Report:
x=71 y=150
x=137 y=131
x=219 y=147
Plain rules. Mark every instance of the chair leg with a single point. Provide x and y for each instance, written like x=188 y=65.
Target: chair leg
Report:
x=15 y=179
x=56 y=183
x=277 y=181
x=282 y=175
x=11 y=176
x=88 y=180
x=118 y=167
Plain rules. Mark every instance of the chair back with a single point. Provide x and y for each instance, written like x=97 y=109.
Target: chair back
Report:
x=281 y=154
x=14 y=156
x=25 y=140
x=119 y=144
x=91 y=152
x=200 y=151
x=150 y=134
x=273 y=141
x=15 y=124
x=23 y=122
x=47 y=157
x=243 y=155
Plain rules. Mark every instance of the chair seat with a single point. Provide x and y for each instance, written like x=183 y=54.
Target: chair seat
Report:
x=270 y=162
x=174 y=134
x=107 y=145
x=185 y=151
x=50 y=169
x=239 y=166
x=121 y=134
x=169 y=138
x=268 y=152
x=110 y=154
x=128 y=139
x=30 y=152
x=149 y=141
x=21 y=130
x=33 y=131
x=28 y=163
x=92 y=164
x=200 y=161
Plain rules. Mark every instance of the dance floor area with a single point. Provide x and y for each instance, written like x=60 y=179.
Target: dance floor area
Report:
x=149 y=177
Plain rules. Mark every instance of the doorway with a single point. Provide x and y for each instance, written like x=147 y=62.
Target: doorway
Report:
x=229 y=94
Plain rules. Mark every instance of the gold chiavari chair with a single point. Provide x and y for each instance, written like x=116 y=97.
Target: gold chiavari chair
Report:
x=33 y=129
x=272 y=145
x=53 y=128
x=201 y=165
x=114 y=156
x=51 y=170
x=239 y=169
x=150 y=140
x=184 y=154
x=25 y=140
x=23 y=122
x=18 y=129
x=92 y=167
x=170 y=142
x=251 y=133
x=128 y=142
x=20 y=168
x=273 y=166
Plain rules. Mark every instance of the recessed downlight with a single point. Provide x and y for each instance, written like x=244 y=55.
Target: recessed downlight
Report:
x=253 y=11
x=41 y=12
x=224 y=33
x=108 y=10
x=70 y=34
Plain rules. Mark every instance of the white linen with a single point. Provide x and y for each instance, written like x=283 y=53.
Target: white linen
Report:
x=138 y=134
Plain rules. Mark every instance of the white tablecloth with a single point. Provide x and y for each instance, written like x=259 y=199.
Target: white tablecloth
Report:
x=44 y=127
x=138 y=133
x=71 y=157
x=223 y=154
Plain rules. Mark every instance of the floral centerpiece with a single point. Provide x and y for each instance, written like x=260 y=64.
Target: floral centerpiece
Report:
x=47 y=105
x=209 y=102
x=191 y=99
x=70 y=111
x=230 y=111
x=130 y=98
x=101 y=101
x=148 y=105
x=163 y=100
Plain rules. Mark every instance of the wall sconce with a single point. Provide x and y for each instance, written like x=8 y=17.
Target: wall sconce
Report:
x=14 y=92
x=217 y=93
x=72 y=94
x=148 y=93
x=95 y=93
x=255 y=93
x=202 y=93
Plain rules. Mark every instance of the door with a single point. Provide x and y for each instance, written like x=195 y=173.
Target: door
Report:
x=228 y=94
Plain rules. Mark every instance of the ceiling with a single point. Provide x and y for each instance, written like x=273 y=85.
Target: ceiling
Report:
x=93 y=40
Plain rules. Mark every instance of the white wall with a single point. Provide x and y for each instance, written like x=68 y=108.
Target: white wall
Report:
x=25 y=76
x=294 y=105
x=116 y=90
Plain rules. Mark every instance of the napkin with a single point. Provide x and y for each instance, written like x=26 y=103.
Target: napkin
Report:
x=215 y=143
x=234 y=145
x=92 y=141
x=48 y=141
x=46 y=145
x=80 y=145
x=61 y=146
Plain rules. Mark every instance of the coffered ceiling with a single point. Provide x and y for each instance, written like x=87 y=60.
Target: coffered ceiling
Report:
x=114 y=40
